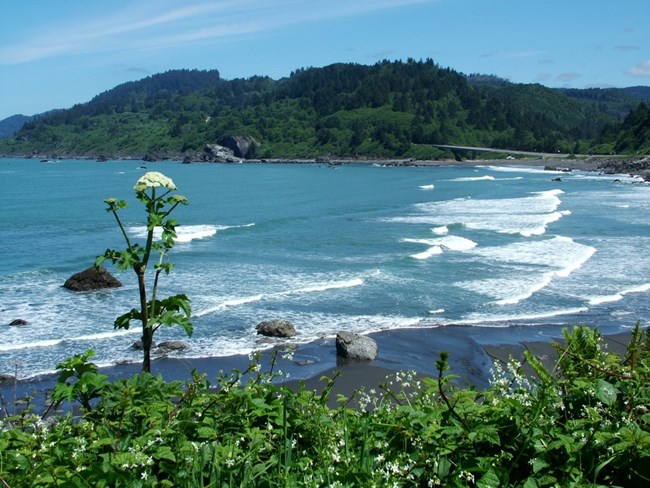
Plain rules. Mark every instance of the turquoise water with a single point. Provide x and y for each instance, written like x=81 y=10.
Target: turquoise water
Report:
x=360 y=248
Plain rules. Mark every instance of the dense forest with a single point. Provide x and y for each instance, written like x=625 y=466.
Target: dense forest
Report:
x=387 y=110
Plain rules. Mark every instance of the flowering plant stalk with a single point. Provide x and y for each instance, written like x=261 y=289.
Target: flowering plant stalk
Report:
x=153 y=313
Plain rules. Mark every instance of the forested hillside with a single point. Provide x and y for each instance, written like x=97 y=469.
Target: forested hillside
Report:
x=390 y=109
x=632 y=136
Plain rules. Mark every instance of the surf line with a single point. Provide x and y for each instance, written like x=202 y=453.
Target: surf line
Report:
x=254 y=298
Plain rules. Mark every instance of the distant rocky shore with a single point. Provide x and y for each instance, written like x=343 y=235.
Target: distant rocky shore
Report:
x=242 y=150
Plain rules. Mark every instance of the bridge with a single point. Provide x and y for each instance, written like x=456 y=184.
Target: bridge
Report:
x=458 y=149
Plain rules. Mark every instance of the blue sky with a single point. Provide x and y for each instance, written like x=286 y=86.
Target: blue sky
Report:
x=54 y=54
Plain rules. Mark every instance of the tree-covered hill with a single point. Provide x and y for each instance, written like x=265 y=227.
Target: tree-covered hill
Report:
x=618 y=102
x=632 y=136
x=390 y=109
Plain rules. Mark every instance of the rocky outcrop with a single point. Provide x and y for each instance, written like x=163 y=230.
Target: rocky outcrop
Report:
x=94 y=278
x=355 y=347
x=171 y=346
x=276 y=328
x=625 y=166
x=138 y=346
x=6 y=379
x=18 y=322
x=216 y=153
x=150 y=158
x=241 y=146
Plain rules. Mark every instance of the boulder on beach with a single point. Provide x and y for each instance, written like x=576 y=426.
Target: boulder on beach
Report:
x=354 y=346
x=93 y=278
x=276 y=328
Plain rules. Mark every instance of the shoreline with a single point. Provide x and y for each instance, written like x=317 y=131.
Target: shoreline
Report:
x=472 y=352
x=607 y=164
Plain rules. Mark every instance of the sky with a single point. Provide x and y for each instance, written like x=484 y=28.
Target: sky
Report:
x=57 y=53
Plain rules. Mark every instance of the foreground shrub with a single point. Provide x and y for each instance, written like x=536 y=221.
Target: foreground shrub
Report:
x=583 y=424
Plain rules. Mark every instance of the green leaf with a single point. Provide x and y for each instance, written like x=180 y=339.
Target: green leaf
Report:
x=538 y=465
x=165 y=452
x=124 y=321
x=539 y=368
x=531 y=483
x=488 y=480
x=606 y=392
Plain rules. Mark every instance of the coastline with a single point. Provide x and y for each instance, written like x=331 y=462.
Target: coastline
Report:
x=472 y=353
x=611 y=165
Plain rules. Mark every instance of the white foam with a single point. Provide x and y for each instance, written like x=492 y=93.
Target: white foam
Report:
x=453 y=243
x=437 y=311
x=432 y=251
x=442 y=230
x=106 y=335
x=473 y=178
x=527 y=216
x=315 y=288
x=457 y=243
x=328 y=286
x=560 y=253
x=426 y=187
x=523 y=169
x=477 y=318
x=231 y=302
x=619 y=296
x=184 y=233
x=188 y=233
x=30 y=345
x=535 y=265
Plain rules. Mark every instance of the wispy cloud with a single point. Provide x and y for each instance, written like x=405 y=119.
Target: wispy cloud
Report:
x=153 y=24
x=641 y=69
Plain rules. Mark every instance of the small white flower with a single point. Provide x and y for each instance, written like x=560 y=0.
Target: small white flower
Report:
x=152 y=179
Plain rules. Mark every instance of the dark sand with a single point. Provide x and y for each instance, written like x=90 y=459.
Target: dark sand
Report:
x=471 y=349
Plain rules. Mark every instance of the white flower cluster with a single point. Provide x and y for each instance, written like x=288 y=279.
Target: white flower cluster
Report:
x=152 y=179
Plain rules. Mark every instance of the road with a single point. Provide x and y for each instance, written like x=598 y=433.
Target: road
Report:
x=502 y=151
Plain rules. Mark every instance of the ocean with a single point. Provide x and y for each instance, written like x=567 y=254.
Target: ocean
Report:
x=507 y=251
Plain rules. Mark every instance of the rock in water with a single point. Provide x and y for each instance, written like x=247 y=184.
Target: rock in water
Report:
x=91 y=279
x=355 y=346
x=6 y=379
x=18 y=322
x=276 y=328
x=170 y=346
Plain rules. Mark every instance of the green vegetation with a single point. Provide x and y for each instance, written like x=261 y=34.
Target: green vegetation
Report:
x=390 y=109
x=632 y=136
x=154 y=313
x=586 y=423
